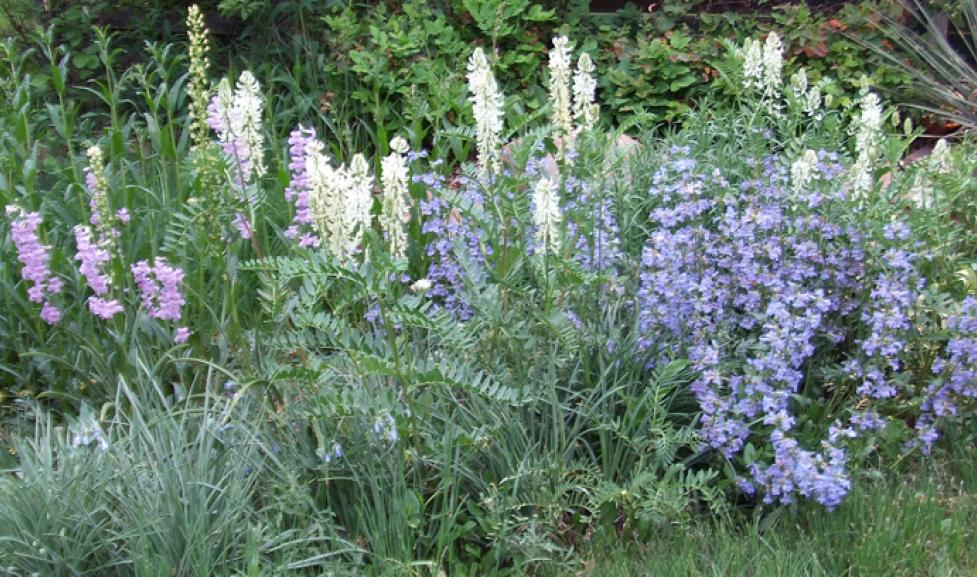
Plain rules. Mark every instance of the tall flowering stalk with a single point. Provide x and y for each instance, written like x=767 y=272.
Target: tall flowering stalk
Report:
x=246 y=125
x=559 y=86
x=585 y=109
x=98 y=189
x=35 y=258
x=396 y=210
x=160 y=290
x=923 y=194
x=868 y=144
x=752 y=54
x=235 y=116
x=546 y=215
x=93 y=254
x=359 y=202
x=198 y=85
x=302 y=144
x=333 y=206
x=773 y=65
x=763 y=65
x=487 y=103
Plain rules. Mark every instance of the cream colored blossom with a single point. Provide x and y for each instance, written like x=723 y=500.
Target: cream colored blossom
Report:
x=752 y=54
x=246 y=117
x=487 y=106
x=868 y=144
x=803 y=171
x=396 y=208
x=546 y=215
x=559 y=86
x=198 y=85
x=773 y=64
x=585 y=110
x=359 y=201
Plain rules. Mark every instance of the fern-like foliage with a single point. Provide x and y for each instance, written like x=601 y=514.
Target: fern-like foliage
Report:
x=329 y=315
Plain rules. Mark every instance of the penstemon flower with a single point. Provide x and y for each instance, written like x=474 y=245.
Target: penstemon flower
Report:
x=302 y=144
x=585 y=110
x=160 y=288
x=395 y=210
x=487 y=102
x=35 y=258
x=955 y=372
x=559 y=86
x=546 y=215
x=93 y=255
x=198 y=86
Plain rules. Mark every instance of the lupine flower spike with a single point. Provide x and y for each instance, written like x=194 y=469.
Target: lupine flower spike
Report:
x=868 y=143
x=302 y=144
x=559 y=86
x=396 y=210
x=359 y=202
x=585 y=110
x=547 y=215
x=235 y=116
x=487 y=103
x=803 y=171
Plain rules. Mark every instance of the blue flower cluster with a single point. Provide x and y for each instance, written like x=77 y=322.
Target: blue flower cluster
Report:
x=751 y=280
x=450 y=229
x=592 y=226
x=956 y=374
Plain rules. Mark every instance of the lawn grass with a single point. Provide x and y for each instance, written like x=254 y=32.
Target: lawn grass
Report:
x=916 y=524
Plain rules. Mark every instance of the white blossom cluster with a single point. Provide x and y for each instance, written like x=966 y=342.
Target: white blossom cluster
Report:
x=246 y=123
x=559 y=86
x=235 y=115
x=487 y=105
x=339 y=200
x=923 y=193
x=868 y=142
x=803 y=171
x=396 y=208
x=585 y=109
x=763 y=66
x=546 y=215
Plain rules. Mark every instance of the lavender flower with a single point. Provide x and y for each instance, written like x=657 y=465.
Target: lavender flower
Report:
x=93 y=255
x=956 y=375
x=749 y=286
x=160 y=289
x=35 y=258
